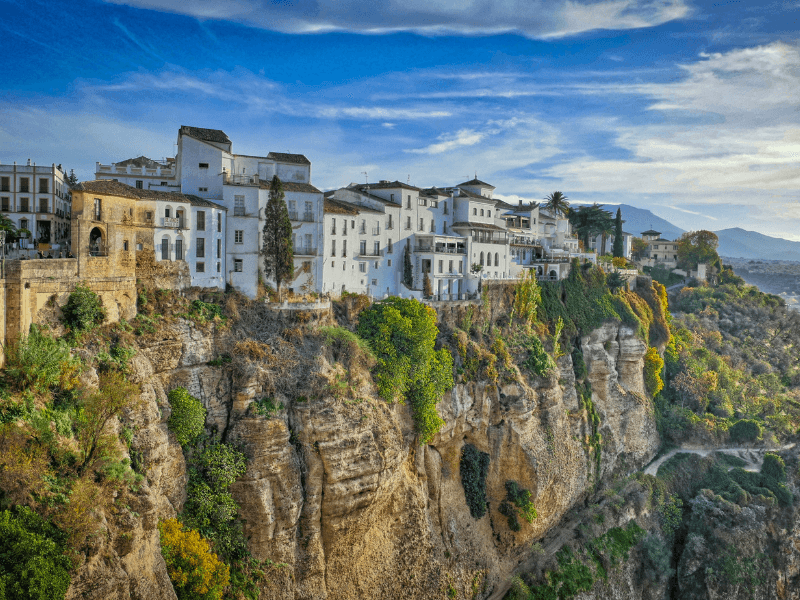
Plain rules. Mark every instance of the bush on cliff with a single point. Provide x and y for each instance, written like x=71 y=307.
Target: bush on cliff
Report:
x=653 y=365
x=402 y=333
x=83 y=310
x=745 y=430
x=32 y=562
x=39 y=362
x=188 y=416
x=474 y=469
x=195 y=571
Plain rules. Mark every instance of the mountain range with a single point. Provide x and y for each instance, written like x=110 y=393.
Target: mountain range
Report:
x=734 y=242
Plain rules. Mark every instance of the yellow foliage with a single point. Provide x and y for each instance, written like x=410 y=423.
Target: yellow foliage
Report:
x=653 y=364
x=195 y=571
x=619 y=262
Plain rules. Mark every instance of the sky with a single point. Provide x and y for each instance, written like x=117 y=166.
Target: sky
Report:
x=687 y=108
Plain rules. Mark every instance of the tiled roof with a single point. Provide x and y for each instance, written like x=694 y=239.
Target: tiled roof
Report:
x=290 y=186
x=142 y=161
x=289 y=158
x=468 y=194
x=116 y=188
x=207 y=135
x=651 y=232
x=477 y=182
x=434 y=191
x=468 y=225
x=342 y=207
x=388 y=185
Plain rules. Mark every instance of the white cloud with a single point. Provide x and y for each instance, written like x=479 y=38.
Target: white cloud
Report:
x=465 y=137
x=534 y=18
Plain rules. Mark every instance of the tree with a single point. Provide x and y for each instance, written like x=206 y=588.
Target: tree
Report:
x=618 y=250
x=72 y=179
x=84 y=309
x=615 y=281
x=639 y=248
x=188 y=416
x=427 y=289
x=696 y=247
x=557 y=203
x=277 y=248
x=8 y=226
x=589 y=221
x=408 y=274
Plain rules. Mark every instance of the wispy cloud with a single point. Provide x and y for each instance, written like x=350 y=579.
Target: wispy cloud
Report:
x=465 y=137
x=533 y=18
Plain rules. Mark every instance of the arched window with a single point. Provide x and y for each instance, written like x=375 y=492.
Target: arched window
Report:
x=488 y=213
x=553 y=274
x=97 y=246
x=165 y=248
x=482 y=263
x=481 y=212
x=496 y=259
x=488 y=259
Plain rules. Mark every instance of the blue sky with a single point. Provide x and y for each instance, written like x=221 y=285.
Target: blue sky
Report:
x=690 y=109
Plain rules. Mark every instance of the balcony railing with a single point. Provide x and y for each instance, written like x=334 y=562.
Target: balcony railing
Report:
x=175 y=222
x=363 y=229
x=376 y=231
x=306 y=217
x=44 y=210
x=439 y=249
x=370 y=253
x=305 y=251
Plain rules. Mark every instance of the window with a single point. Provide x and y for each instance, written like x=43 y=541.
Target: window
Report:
x=488 y=213
x=344 y=247
x=408 y=201
x=445 y=208
x=475 y=211
x=200 y=245
x=204 y=166
x=374 y=282
x=389 y=262
x=139 y=184
x=219 y=222
x=202 y=189
x=481 y=212
x=422 y=224
x=238 y=206
x=390 y=224
x=309 y=243
x=200 y=268
x=422 y=201
x=344 y=227
x=201 y=220
x=375 y=264
x=218 y=267
x=333 y=264
x=391 y=197
x=363 y=226
x=24 y=185
x=238 y=236
x=408 y=222
x=333 y=226
x=43 y=186
x=167 y=212
x=23 y=224
x=125 y=245
x=444 y=228
x=43 y=205
x=219 y=248
x=237 y=265
x=164 y=183
x=5 y=184
x=362 y=248
x=165 y=248
x=140 y=246
x=496 y=259
x=309 y=214
x=389 y=246
x=441 y=266
x=4 y=202
x=450 y=267
x=98 y=209
x=460 y=267
x=179 y=249
x=333 y=247
x=362 y=267
x=433 y=226
x=148 y=216
x=376 y=249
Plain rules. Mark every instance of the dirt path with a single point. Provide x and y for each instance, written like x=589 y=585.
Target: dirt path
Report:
x=754 y=457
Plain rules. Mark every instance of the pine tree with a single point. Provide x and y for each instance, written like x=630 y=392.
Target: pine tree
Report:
x=427 y=288
x=408 y=276
x=277 y=248
x=72 y=179
x=618 y=250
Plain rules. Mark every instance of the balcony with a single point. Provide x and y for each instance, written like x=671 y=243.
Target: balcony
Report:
x=174 y=222
x=390 y=225
x=376 y=231
x=44 y=210
x=305 y=251
x=363 y=230
x=370 y=254
x=306 y=217
x=439 y=249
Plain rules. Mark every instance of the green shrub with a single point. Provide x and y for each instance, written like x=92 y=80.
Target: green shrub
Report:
x=203 y=312
x=32 y=560
x=402 y=333
x=83 y=310
x=521 y=499
x=657 y=558
x=746 y=430
x=537 y=361
x=39 y=362
x=267 y=407
x=474 y=469
x=774 y=467
x=188 y=416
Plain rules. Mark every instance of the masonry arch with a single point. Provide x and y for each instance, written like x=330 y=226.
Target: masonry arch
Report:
x=97 y=242
x=553 y=273
x=496 y=259
x=488 y=259
x=482 y=263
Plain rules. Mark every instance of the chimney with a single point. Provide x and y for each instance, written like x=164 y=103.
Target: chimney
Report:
x=29 y=162
x=520 y=203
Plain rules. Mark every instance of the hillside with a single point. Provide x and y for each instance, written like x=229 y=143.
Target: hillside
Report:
x=637 y=220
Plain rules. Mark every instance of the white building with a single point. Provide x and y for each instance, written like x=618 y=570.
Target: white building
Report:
x=37 y=199
x=205 y=166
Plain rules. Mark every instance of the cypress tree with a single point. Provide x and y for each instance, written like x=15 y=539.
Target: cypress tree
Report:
x=408 y=276
x=618 y=249
x=277 y=248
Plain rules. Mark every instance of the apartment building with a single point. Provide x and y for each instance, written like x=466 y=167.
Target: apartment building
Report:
x=37 y=199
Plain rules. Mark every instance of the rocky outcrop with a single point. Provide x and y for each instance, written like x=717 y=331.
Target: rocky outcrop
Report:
x=340 y=489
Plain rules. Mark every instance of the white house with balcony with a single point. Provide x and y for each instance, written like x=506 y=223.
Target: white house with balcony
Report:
x=37 y=198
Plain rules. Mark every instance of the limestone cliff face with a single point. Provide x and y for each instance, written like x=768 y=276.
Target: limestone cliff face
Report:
x=342 y=492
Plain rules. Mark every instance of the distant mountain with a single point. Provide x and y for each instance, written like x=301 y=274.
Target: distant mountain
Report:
x=637 y=220
x=737 y=242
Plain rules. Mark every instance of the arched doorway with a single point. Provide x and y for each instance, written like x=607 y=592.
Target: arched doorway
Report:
x=97 y=243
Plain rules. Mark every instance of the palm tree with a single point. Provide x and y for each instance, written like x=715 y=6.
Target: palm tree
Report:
x=557 y=203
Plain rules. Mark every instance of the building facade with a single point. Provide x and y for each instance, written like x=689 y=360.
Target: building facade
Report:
x=37 y=199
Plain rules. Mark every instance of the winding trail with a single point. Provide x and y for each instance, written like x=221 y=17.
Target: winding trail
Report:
x=754 y=457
